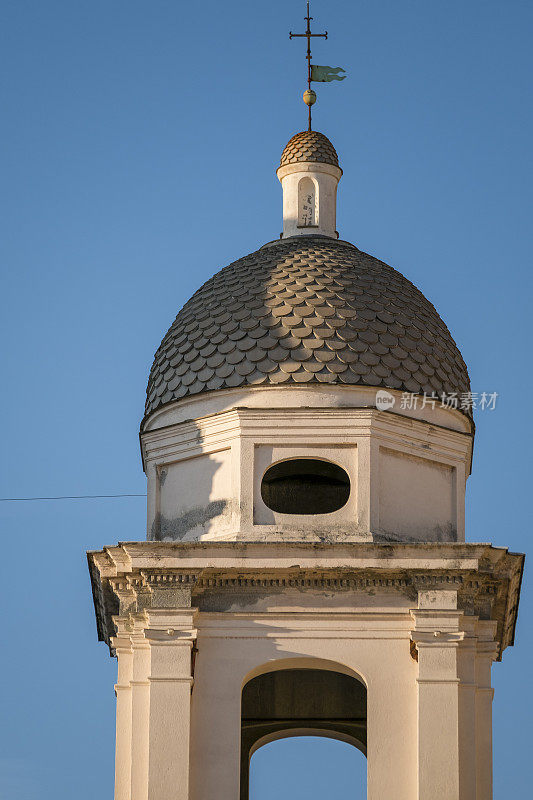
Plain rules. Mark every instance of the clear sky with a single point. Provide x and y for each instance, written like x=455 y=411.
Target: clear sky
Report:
x=139 y=142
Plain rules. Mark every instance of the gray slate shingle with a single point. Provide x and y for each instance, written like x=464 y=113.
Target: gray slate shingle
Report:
x=306 y=310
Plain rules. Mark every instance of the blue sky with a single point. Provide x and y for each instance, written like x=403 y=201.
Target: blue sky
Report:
x=138 y=156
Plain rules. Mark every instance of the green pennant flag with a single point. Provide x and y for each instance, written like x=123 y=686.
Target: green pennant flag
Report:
x=326 y=74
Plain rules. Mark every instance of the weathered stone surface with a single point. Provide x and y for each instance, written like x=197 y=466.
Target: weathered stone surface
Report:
x=229 y=577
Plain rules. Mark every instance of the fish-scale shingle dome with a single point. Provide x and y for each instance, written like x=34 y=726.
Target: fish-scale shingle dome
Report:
x=309 y=146
x=306 y=310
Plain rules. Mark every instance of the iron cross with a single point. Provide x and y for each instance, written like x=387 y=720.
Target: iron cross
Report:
x=308 y=35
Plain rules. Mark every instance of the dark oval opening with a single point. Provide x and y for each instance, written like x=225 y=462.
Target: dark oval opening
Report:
x=305 y=486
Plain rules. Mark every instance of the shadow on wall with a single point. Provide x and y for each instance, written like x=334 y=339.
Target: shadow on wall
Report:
x=196 y=493
x=192 y=496
x=285 y=688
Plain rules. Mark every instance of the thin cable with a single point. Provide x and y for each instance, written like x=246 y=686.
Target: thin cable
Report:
x=66 y=497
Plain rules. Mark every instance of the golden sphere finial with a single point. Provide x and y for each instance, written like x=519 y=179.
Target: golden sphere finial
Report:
x=309 y=97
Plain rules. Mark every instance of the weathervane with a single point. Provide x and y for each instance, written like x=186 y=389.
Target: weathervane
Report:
x=315 y=72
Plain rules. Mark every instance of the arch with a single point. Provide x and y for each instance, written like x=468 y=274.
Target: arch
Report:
x=321 y=732
x=307 y=203
x=304 y=662
x=297 y=700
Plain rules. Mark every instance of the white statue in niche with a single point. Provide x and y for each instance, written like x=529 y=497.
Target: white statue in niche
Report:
x=307 y=211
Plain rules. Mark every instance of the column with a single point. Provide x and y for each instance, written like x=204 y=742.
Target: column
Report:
x=487 y=652
x=170 y=635
x=140 y=709
x=216 y=706
x=446 y=648
x=121 y=643
x=366 y=488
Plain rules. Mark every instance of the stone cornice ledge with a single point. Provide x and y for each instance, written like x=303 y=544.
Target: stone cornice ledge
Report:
x=134 y=575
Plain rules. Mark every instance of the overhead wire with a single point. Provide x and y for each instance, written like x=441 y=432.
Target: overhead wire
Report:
x=67 y=497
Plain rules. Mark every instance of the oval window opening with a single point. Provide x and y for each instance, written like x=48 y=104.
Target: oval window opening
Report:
x=305 y=486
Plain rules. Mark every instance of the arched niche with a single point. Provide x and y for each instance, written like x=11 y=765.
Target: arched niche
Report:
x=298 y=702
x=307 y=203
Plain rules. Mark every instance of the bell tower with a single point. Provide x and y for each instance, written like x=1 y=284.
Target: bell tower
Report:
x=305 y=568
x=309 y=173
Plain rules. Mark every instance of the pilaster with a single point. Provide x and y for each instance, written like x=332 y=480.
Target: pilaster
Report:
x=155 y=635
x=140 y=709
x=122 y=646
x=487 y=652
x=170 y=634
x=452 y=707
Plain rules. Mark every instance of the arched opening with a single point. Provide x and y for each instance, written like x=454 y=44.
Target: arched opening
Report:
x=305 y=486
x=307 y=204
x=300 y=702
x=307 y=766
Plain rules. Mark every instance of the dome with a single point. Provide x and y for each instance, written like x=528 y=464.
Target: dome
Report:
x=306 y=310
x=309 y=146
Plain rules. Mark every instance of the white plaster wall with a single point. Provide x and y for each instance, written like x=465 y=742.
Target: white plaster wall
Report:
x=234 y=648
x=325 y=178
x=407 y=476
x=202 y=405
x=417 y=497
x=195 y=496
x=424 y=661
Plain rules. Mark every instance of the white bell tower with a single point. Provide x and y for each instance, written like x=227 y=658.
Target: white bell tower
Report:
x=306 y=569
